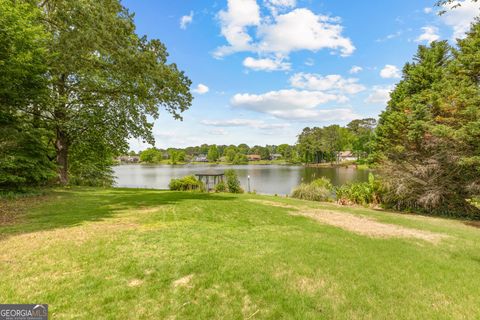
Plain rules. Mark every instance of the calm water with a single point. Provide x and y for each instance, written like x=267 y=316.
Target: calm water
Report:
x=267 y=179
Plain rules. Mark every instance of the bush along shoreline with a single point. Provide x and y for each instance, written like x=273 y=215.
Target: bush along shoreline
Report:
x=191 y=183
x=368 y=194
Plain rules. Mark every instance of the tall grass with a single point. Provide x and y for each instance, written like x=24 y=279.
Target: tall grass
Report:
x=318 y=190
x=362 y=193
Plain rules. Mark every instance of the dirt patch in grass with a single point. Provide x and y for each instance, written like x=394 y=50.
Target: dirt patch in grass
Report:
x=309 y=285
x=273 y=203
x=358 y=224
x=13 y=210
x=183 y=282
x=135 y=283
x=369 y=227
x=146 y=210
x=475 y=224
x=78 y=235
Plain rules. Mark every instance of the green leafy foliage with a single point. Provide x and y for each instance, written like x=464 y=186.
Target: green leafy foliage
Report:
x=176 y=156
x=230 y=153
x=221 y=187
x=187 y=183
x=362 y=193
x=213 y=153
x=81 y=81
x=318 y=190
x=240 y=159
x=23 y=55
x=91 y=164
x=323 y=182
x=24 y=143
x=233 y=184
x=103 y=78
x=151 y=155
x=23 y=154
x=317 y=145
x=428 y=138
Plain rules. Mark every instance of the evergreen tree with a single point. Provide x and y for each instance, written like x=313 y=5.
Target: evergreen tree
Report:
x=427 y=138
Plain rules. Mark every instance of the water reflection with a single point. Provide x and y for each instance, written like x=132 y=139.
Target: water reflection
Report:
x=268 y=179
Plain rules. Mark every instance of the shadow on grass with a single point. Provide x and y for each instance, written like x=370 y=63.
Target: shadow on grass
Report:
x=69 y=208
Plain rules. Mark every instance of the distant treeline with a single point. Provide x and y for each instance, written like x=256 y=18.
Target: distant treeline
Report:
x=314 y=145
x=235 y=154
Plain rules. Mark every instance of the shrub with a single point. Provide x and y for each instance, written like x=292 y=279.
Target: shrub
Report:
x=24 y=153
x=233 y=184
x=150 y=155
x=240 y=159
x=323 y=182
x=317 y=190
x=363 y=193
x=221 y=187
x=187 y=183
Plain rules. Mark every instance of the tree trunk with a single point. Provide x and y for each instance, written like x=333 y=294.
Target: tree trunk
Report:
x=62 y=141
x=61 y=147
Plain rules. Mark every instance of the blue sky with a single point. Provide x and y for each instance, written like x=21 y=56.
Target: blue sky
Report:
x=262 y=70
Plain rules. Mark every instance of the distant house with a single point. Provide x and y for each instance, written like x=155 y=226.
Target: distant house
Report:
x=200 y=158
x=254 y=157
x=128 y=159
x=275 y=156
x=346 y=156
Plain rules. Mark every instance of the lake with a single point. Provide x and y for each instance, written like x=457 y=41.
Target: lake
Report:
x=265 y=179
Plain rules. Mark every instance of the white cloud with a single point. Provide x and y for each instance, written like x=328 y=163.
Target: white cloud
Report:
x=460 y=18
x=355 y=69
x=309 y=62
x=390 y=71
x=427 y=10
x=284 y=99
x=186 y=20
x=390 y=36
x=332 y=82
x=430 y=33
x=299 y=29
x=218 y=132
x=294 y=104
x=201 y=89
x=234 y=22
x=176 y=138
x=379 y=95
x=279 y=5
x=257 y=124
x=282 y=3
x=266 y=64
x=339 y=114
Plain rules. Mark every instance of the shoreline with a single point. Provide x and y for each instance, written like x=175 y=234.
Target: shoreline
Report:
x=254 y=163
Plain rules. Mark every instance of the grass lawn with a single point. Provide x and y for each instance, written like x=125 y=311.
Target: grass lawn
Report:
x=125 y=253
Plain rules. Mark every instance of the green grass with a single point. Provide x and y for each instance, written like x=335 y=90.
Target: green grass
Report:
x=116 y=253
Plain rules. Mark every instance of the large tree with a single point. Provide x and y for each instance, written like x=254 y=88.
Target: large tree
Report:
x=106 y=83
x=213 y=154
x=428 y=137
x=323 y=144
x=363 y=136
x=23 y=55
